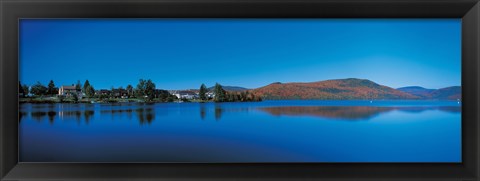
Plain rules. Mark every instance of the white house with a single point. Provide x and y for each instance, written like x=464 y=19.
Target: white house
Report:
x=185 y=94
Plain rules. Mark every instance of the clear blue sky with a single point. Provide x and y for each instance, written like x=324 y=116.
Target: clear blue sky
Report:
x=183 y=53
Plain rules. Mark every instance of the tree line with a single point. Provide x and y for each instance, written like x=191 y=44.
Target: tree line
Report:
x=145 y=89
x=224 y=96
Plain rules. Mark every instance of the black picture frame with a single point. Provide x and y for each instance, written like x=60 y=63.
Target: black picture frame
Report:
x=12 y=10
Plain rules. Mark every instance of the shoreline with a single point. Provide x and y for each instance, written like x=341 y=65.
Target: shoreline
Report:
x=135 y=100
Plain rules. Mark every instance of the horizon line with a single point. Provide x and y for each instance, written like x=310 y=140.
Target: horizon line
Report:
x=133 y=85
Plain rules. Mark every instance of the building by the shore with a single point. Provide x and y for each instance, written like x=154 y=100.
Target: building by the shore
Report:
x=184 y=94
x=68 y=91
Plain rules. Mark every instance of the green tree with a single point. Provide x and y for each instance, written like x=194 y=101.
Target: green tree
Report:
x=129 y=90
x=150 y=89
x=51 y=88
x=146 y=89
x=26 y=90
x=202 y=93
x=85 y=86
x=39 y=89
x=78 y=86
x=89 y=91
x=75 y=97
x=140 y=90
x=219 y=93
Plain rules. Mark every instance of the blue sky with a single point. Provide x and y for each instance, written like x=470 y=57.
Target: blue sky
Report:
x=184 y=53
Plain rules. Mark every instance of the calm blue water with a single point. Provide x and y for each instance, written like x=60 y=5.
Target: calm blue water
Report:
x=268 y=131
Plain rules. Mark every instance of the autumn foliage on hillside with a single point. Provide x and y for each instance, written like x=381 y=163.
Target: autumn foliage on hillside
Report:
x=345 y=89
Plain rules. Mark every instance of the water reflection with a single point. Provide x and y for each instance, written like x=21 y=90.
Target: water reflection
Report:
x=145 y=115
x=51 y=116
x=21 y=114
x=62 y=115
x=153 y=133
x=203 y=111
x=88 y=115
x=38 y=116
x=218 y=112
x=347 y=112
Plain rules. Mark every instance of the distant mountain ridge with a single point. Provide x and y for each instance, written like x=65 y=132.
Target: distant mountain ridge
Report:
x=346 y=89
x=447 y=93
x=417 y=91
x=343 y=89
x=230 y=88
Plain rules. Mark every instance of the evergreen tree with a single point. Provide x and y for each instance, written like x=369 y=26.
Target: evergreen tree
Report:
x=89 y=91
x=219 y=93
x=85 y=86
x=202 y=93
x=26 y=90
x=150 y=89
x=51 y=88
x=78 y=86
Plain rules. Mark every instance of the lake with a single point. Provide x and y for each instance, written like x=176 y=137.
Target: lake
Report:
x=268 y=131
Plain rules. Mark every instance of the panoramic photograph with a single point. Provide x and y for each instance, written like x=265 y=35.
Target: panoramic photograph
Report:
x=240 y=90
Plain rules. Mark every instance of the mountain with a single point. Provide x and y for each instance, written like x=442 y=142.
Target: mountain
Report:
x=447 y=93
x=417 y=91
x=349 y=89
x=454 y=92
x=230 y=88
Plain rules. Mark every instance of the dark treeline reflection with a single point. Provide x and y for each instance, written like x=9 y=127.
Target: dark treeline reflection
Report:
x=21 y=114
x=51 y=116
x=38 y=116
x=146 y=114
x=218 y=110
x=88 y=115
x=62 y=115
x=203 y=112
x=347 y=112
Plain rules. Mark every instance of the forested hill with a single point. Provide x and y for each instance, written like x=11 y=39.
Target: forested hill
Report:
x=338 y=89
x=450 y=93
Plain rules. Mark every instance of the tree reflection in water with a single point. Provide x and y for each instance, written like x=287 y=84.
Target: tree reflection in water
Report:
x=218 y=112
x=145 y=115
x=346 y=112
x=88 y=115
x=51 y=116
x=38 y=116
x=203 y=111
